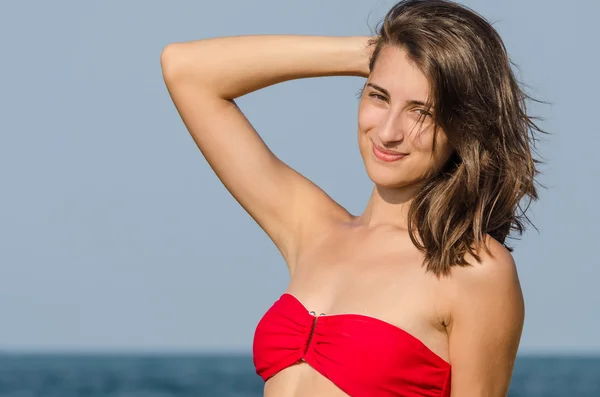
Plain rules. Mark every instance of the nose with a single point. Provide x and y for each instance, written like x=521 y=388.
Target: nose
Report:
x=392 y=129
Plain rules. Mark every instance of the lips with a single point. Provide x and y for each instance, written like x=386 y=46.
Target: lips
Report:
x=387 y=155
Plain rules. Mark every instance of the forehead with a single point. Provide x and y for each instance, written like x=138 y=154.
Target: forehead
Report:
x=394 y=71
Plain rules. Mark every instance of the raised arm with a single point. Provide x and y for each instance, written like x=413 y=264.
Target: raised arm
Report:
x=204 y=77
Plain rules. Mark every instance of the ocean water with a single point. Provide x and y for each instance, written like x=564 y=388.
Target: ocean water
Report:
x=232 y=376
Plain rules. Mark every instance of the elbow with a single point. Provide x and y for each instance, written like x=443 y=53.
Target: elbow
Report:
x=171 y=62
x=187 y=63
x=184 y=61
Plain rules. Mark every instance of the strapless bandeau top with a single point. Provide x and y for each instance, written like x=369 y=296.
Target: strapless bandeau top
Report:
x=362 y=355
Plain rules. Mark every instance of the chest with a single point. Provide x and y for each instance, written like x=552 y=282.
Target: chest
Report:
x=378 y=274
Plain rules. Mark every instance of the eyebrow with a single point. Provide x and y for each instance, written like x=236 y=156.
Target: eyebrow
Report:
x=386 y=92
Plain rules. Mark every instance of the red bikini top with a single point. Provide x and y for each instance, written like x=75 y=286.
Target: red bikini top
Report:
x=363 y=356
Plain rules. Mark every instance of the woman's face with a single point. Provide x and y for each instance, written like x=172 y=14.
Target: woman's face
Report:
x=395 y=129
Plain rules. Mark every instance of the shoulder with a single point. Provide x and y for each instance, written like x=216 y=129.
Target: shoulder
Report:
x=496 y=268
x=486 y=315
x=487 y=285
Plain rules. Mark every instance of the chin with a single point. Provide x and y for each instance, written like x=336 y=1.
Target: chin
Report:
x=390 y=184
x=386 y=177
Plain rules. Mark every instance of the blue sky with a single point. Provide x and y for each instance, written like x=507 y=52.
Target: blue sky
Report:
x=115 y=234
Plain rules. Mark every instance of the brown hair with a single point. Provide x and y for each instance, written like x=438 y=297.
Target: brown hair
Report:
x=488 y=183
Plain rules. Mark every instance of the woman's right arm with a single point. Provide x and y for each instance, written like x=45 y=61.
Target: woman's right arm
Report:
x=204 y=77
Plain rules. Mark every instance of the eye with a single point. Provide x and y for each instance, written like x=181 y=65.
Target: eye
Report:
x=378 y=96
x=423 y=112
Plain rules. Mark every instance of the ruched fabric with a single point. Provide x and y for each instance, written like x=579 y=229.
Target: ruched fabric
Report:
x=362 y=355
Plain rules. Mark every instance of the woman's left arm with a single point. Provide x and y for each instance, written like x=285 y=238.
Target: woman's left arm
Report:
x=487 y=317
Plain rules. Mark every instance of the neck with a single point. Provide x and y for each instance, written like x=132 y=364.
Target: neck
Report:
x=388 y=206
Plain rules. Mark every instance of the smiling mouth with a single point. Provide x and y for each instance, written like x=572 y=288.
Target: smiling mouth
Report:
x=387 y=155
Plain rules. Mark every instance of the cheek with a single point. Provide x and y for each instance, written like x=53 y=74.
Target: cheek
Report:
x=368 y=117
x=422 y=140
x=432 y=155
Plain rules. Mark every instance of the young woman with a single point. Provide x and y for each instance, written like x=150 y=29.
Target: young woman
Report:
x=418 y=295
